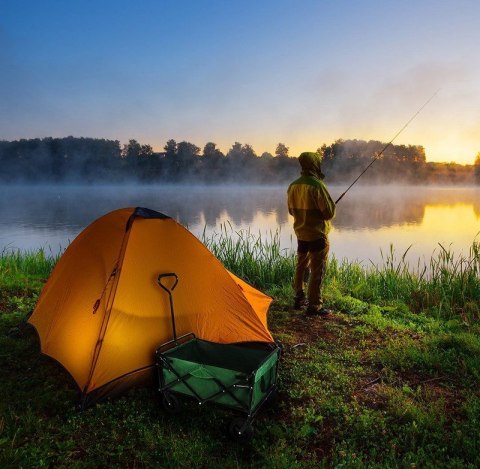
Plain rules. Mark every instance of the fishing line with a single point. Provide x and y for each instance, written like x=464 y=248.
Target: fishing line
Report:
x=387 y=145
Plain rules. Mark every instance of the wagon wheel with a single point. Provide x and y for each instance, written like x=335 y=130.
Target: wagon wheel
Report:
x=170 y=403
x=241 y=430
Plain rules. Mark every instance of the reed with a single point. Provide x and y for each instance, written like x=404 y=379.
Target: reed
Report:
x=18 y=268
x=448 y=285
x=257 y=259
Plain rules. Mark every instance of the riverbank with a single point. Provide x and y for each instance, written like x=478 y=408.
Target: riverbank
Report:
x=390 y=379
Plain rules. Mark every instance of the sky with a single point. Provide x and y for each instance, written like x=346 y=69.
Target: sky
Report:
x=258 y=72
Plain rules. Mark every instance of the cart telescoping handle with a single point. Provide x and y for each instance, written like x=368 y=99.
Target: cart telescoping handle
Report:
x=169 y=291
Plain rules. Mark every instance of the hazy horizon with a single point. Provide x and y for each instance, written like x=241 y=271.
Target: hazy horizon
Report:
x=260 y=73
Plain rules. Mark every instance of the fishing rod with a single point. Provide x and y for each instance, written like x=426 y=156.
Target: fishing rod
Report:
x=386 y=146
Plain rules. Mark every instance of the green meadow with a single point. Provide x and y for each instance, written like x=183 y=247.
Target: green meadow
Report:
x=391 y=379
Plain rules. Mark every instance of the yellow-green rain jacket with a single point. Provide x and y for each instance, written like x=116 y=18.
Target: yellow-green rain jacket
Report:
x=309 y=201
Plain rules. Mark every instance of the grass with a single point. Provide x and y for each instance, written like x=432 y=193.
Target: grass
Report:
x=24 y=269
x=391 y=380
x=448 y=287
x=257 y=260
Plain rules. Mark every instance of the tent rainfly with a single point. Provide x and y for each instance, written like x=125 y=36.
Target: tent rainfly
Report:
x=102 y=313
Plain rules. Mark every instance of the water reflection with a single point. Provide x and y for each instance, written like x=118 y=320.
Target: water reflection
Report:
x=367 y=218
x=381 y=207
x=77 y=206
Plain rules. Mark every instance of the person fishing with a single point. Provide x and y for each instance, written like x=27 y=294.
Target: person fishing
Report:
x=312 y=208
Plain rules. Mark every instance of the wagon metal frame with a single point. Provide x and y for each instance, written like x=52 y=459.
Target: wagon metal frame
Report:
x=241 y=377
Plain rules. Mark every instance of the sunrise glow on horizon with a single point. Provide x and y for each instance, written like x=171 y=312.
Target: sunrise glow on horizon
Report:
x=259 y=73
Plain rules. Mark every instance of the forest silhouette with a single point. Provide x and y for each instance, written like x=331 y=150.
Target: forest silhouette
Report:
x=91 y=160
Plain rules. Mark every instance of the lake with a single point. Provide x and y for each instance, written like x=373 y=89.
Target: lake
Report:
x=368 y=221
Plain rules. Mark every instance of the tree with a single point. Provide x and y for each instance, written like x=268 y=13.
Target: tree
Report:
x=235 y=153
x=170 y=148
x=131 y=149
x=477 y=168
x=211 y=163
x=186 y=151
x=138 y=159
x=211 y=152
x=248 y=151
x=240 y=152
x=145 y=151
x=281 y=150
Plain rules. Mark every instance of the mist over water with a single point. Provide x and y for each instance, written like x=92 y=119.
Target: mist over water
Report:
x=368 y=219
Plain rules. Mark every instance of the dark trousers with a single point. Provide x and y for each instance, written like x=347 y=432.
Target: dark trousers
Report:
x=312 y=256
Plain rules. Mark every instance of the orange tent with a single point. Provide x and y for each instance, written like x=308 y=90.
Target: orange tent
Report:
x=102 y=313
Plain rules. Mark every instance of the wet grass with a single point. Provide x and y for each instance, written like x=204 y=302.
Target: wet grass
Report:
x=390 y=380
x=257 y=259
x=24 y=269
x=448 y=286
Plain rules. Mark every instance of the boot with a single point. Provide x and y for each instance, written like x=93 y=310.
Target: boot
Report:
x=313 y=310
x=300 y=301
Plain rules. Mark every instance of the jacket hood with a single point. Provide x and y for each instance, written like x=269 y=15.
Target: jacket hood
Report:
x=311 y=164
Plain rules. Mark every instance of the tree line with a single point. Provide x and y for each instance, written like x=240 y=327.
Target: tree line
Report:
x=73 y=159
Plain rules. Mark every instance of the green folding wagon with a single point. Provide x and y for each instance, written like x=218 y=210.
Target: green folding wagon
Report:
x=240 y=377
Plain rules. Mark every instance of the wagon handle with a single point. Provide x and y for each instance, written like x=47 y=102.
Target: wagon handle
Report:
x=172 y=274
x=169 y=291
